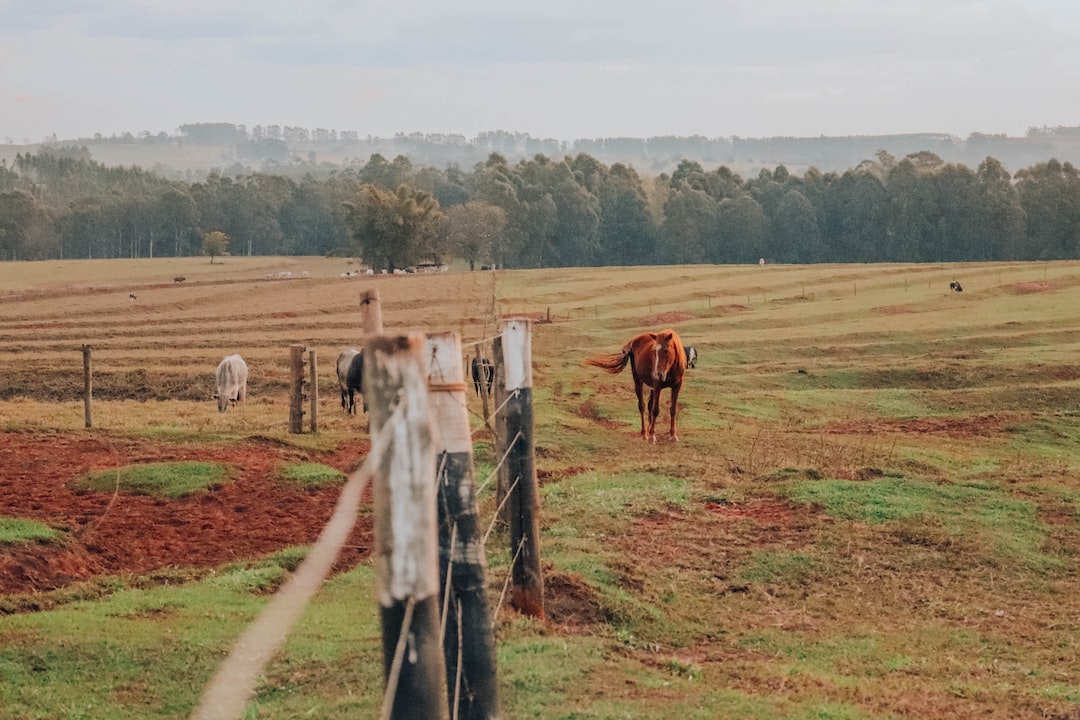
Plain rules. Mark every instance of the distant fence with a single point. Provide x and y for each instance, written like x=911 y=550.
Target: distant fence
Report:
x=429 y=547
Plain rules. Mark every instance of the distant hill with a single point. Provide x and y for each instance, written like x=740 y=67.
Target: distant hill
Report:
x=200 y=148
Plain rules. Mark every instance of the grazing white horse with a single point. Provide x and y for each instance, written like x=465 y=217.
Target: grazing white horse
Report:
x=231 y=378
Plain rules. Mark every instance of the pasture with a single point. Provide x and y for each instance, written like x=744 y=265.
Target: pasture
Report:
x=873 y=510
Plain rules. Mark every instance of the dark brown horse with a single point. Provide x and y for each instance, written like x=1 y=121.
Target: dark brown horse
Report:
x=657 y=360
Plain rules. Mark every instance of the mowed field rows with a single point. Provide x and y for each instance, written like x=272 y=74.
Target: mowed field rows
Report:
x=873 y=510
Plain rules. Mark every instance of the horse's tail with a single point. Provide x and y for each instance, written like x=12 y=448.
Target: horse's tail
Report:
x=612 y=362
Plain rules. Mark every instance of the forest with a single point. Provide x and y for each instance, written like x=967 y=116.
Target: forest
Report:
x=542 y=211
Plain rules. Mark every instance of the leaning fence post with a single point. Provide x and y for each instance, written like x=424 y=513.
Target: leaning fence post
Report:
x=519 y=470
x=468 y=644
x=406 y=550
x=88 y=385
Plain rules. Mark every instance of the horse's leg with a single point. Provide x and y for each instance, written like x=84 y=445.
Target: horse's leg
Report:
x=675 y=410
x=640 y=406
x=654 y=411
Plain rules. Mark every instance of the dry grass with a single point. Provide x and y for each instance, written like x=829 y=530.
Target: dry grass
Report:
x=873 y=512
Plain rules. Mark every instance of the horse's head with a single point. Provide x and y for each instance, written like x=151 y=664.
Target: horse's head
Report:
x=668 y=354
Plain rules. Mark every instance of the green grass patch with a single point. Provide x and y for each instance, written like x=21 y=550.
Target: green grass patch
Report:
x=778 y=567
x=312 y=475
x=618 y=496
x=167 y=480
x=979 y=514
x=20 y=530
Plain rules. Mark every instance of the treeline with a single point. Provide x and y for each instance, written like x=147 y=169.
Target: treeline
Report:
x=546 y=212
x=291 y=149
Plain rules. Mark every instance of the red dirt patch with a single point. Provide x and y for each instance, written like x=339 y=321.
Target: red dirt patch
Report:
x=894 y=309
x=1026 y=288
x=252 y=515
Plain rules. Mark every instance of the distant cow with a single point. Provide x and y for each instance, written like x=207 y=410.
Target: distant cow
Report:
x=483 y=369
x=955 y=286
x=131 y=297
x=231 y=378
x=691 y=356
x=350 y=373
x=179 y=279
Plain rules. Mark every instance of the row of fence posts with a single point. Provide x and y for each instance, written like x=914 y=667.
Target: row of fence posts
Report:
x=437 y=637
x=430 y=556
x=438 y=644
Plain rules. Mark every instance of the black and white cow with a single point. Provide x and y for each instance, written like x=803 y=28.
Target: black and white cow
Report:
x=955 y=286
x=691 y=356
x=350 y=373
x=482 y=371
x=231 y=379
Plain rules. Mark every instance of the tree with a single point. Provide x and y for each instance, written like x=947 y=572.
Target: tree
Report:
x=795 y=234
x=393 y=229
x=1050 y=195
x=215 y=243
x=473 y=231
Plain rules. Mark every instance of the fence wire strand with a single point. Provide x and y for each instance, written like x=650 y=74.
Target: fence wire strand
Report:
x=234 y=682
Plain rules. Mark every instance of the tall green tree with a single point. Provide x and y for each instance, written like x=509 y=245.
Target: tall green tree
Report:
x=25 y=228
x=689 y=226
x=473 y=231
x=627 y=230
x=742 y=231
x=999 y=216
x=393 y=229
x=795 y=234
x=1050 y=195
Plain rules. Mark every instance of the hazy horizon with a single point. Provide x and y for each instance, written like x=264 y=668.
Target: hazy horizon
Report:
x=559 y=70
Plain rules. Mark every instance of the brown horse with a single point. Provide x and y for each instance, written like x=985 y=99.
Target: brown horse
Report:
x=657 y=360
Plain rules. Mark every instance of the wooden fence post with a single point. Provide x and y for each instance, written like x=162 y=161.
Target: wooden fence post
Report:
x=88 y=385
x=485 y=397
x=468 y=644
x=296 y=388
x=371 y=313
x=313 y=389
x=518 y=472
x=406 y=549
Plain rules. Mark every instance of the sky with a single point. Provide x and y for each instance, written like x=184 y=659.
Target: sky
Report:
x=562 y=69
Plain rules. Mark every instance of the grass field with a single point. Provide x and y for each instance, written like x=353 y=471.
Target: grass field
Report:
x=873 y=510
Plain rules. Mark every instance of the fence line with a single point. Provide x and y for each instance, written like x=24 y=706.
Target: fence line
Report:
x=234 y=682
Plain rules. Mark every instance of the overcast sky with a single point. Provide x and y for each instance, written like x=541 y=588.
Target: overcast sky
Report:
x=562 y=69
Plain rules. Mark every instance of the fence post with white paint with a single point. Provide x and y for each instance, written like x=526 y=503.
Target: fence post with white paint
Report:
x=517 y=474
x=468 y=643
x=406 y=550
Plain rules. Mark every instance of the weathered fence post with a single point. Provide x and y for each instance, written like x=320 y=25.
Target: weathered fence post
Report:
x=371 y=313
x=296 y=388
x=313 y=389
x=518 y=472
x=468 y=644
x=88 y=385
x=406 y=550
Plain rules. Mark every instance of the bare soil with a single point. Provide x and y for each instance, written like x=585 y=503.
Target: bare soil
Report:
x=253 y=514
